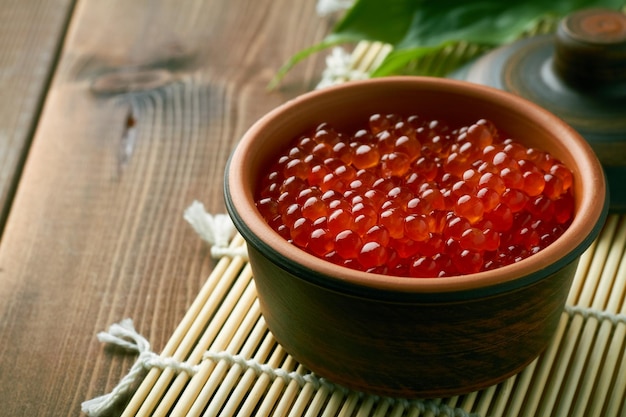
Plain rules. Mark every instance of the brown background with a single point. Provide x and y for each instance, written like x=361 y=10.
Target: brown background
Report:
x=114 y=116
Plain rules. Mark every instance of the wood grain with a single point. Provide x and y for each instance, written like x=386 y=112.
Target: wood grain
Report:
x=146 y=104
x=31 y=34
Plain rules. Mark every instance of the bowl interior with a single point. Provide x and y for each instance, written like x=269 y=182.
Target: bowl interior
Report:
x=459 y=103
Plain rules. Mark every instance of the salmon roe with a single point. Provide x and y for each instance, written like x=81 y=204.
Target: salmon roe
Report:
x=412 y=197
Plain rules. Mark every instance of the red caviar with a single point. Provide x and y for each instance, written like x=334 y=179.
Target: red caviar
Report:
x=414 y=197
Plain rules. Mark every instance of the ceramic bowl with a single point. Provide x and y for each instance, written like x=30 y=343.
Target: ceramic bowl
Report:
x=412 y=337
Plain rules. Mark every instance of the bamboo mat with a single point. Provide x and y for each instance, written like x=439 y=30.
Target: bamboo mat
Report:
x=246 y=373
x=582 y=373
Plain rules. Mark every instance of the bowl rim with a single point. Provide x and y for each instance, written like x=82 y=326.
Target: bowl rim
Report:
x=588 y=221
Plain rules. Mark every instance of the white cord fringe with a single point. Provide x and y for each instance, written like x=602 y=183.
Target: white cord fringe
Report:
x=215 y=229
x=124 y=335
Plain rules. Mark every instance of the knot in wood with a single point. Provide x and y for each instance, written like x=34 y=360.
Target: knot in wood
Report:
x=130 y=80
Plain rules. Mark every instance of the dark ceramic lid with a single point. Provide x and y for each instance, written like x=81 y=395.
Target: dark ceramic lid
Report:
x=579 y=74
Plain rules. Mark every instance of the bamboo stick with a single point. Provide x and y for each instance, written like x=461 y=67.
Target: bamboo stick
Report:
x=482 y=407
x=367 y=404
x=413 y=412
x=334 y=403
x=452 y=401
x=318 y=401
x=225 y=339
x=596 y=298
x=531 y=382
x=256 y=339
x=223 y=310
x=397 y=410
x=468 y=401
x=381 y=409
x=372 y=57
x=552 y=388
x=276 y=388
x=537 y=374
x=306 y=393
x=618 y=393
x=219 y=330
x=504 y=392
x=183 y=337
x=244 y=385
x=289 y=395
x=614 y=350
x=349 y=404
x=586 y=363
x=261 y=384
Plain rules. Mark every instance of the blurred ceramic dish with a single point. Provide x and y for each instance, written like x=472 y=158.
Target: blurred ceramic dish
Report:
x=579 y=74
x=412 y=337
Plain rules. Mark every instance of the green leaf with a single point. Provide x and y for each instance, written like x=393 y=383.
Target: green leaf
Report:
x=488 y=23
x=328 y=42
x=485 y=22
x=375 y=20
x=417 y=28
x=398 y=60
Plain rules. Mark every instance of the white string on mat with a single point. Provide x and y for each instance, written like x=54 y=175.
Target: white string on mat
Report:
x=215 y=229
x=587 y=312
x=124 y=335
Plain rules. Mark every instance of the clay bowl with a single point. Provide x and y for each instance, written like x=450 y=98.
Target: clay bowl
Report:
x=410 y=337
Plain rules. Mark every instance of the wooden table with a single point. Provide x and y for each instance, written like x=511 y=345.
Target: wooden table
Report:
x=114 y=116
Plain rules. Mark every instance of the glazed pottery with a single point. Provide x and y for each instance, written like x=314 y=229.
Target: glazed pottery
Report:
x=412 y=337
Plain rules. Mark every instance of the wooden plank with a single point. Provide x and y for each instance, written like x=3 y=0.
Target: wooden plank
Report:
x=96 y=232
x=31 y=33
